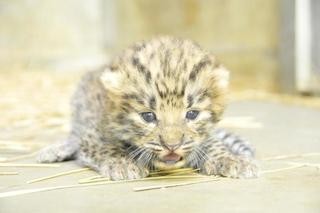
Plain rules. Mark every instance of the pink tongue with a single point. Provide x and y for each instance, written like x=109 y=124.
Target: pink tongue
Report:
x=172 y=157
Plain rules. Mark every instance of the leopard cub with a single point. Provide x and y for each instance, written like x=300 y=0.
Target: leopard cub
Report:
x=154 y=107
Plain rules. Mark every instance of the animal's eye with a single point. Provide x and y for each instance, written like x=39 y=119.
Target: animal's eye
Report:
x=148 y=117
x=192 y=114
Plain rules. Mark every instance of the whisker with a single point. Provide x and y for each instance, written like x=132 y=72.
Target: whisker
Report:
x=153 y=143
x=149 y=159
x=135 y=153
x=144 y=157
x=153 y=148
x=187 y=148
x=193 y=159
x=197 y=156
x=204 y=155
x=188 y=142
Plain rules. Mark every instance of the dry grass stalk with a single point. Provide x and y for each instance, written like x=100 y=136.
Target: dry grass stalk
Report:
x=2 y=159
x=183 y=171
x=29 y=191
x=167 y=177
x=58 y=175
x=281 y=169
x=14 y=145
x=174 y=171
x=316 y=165
x=193 y=171
x=98 y=179
x=297 y=165
x=15 y=150
x=145 y=188
x=90 y=178
x=18 y=143
x=8 y=173
x=281 y=157
x=29 y=165
x=18 y=157
x=11 y=146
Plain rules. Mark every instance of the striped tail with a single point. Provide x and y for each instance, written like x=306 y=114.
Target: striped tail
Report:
x=236 y=144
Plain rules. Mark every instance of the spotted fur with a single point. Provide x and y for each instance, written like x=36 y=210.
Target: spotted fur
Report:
x=167 y=77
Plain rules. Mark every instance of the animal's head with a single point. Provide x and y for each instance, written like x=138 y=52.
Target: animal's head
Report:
x=166 y=96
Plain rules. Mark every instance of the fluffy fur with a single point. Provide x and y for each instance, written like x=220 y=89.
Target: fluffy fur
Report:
x=168 y=78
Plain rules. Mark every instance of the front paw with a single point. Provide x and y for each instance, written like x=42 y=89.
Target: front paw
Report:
x=233 y=167
x=122 y=169
x=56 y=153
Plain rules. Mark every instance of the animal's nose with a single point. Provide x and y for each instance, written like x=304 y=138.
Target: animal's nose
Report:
x=169 y=145
x=171 y=138
x=172 y=147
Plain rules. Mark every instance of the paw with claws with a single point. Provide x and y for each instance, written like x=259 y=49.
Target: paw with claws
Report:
x=122 y=169
x=56 y=153
x=233 y=167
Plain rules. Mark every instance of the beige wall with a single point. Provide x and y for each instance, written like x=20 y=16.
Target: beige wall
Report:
x=243 y=33
x=58 y=34
x=49 y=33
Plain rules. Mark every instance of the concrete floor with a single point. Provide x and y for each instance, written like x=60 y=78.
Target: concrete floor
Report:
x=281 y=130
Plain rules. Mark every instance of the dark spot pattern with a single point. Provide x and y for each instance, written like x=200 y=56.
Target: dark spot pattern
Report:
x=142 y=69
x=198 y=67
x=155 y=75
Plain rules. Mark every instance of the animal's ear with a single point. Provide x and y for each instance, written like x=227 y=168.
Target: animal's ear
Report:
x=218 y=74
x=221 y=75
x=111 y=80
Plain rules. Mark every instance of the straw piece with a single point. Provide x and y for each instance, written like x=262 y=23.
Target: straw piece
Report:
x=18 y=157
x=280 y=157
x=14 y=146
x=18 y=143
x=8 y=173
x=193 y=171
x=90 y=178
x=144 y=179
x=281 y=169
x=173 y=171
x=29 y=165
x=58 y=175
x=2 y=159
x=305 y=164
x=14 y=150
x=29 y=191
x=94 y=180
x=138 y=189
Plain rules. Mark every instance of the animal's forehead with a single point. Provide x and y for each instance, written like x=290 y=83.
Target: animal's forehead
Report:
x=166 y=72
x=164 y=57
x=170 y=65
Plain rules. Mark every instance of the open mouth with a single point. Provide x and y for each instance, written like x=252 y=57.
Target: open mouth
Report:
x=171 y=158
